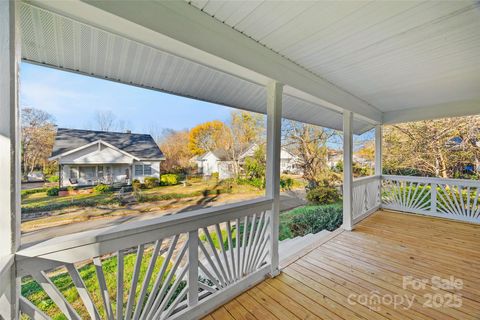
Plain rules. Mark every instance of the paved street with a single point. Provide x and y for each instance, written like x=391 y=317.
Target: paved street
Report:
x=288 y=200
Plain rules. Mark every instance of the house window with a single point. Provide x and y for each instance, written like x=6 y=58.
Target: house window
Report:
x=147 y=170
x=73 y=173
x=143 y=170
x=100 y=171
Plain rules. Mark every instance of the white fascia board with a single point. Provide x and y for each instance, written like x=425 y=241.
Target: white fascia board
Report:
x=180 y=29
x=445 y=110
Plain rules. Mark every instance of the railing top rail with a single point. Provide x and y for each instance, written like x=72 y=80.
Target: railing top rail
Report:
x=87 y=244
x=364 y=180
x=460 y=182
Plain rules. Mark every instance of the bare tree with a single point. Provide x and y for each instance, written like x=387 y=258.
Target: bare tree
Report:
x=38 y=133
x=309 y=144
x=442 y=148
x=105 y=120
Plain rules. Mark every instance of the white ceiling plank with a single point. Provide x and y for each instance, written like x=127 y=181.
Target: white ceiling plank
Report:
x=177 y=20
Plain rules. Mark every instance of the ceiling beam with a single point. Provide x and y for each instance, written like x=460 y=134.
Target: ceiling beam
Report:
x=180 y=29
x=444 y=110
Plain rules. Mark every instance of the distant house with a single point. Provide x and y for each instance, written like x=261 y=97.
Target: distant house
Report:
x=88 y=157
x=218 y=162
x=335 y=156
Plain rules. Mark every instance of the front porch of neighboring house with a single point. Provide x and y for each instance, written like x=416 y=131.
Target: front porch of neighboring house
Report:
x=90 y=175
x=345 y=66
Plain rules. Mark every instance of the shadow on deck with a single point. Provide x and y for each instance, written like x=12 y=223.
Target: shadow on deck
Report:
x=392 y=266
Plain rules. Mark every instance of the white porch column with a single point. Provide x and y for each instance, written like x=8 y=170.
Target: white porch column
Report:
x=378 y=150
x=347 y=170
x=9 y=159
x=274 y=125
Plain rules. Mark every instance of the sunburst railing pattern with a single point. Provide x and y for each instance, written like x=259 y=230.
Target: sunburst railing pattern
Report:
x=166 y=269
x=448 y=198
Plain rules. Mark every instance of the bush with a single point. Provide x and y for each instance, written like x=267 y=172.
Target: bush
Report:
x=151 y=182
x=215 y=175
x=286 y=183
x=32 y=191
x=102 y=188
x=52 y=192
x=323 y=195
x=53 y=179
x=169 y=179
x=254 y=182
x=136 y=185
x=313 y=219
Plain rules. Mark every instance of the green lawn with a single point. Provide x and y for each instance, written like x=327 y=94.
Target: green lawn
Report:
x=40 y=202
x=33 y=292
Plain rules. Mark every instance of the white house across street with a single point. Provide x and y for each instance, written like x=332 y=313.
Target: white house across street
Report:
x=87 y=157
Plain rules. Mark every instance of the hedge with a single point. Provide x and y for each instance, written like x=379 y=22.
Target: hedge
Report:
x=313 y=219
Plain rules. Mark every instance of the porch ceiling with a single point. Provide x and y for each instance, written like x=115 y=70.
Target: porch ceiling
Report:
x=396 y=56
x=385 y=61
x=60 y=42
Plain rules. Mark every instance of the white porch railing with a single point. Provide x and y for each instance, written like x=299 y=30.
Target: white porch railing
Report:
x=191 y=262
x=366 y=197
x=447 y=198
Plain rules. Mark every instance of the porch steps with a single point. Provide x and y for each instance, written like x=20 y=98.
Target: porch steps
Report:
x=289 y=248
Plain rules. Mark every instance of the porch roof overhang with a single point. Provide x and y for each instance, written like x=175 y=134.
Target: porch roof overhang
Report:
x=386 y=62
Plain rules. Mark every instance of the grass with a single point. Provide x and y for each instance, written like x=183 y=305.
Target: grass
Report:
x=39 y=201
x=34 y=292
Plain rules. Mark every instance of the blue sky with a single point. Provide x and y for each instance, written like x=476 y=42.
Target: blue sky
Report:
x=74 y=100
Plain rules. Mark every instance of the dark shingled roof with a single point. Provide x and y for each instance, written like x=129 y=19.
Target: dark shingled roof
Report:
x=138 y=145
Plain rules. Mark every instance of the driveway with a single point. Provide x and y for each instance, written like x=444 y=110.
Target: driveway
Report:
x=288 y=200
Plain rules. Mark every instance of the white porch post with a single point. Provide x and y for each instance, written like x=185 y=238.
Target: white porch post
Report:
x=378 y=150
x=274 y=125
x=347 y=170
x=9 y=159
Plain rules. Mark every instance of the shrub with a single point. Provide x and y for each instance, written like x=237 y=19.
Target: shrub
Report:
x=323 y=195
x=136 y=185
x=215 y=175
x=53 y=179
x=286 y=183
x=169 y=179
x=254 y=182
x=313 y=219
x=102 y=188
x=151 y=182
x=52 y=192
x=32 y=191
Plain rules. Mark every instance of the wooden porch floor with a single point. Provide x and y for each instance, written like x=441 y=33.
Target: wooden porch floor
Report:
x=372 y=260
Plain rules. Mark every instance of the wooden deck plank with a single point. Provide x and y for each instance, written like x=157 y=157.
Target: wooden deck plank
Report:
x=375 y=257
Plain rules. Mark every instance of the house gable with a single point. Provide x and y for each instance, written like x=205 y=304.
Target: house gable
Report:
x=96 y=153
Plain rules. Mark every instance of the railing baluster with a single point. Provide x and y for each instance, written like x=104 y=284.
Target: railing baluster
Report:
x=83 y=292
x=179 y=285
x=55 y=294
x=433 y=198
x=192 y=282
x=133 y=287
x=107 y=305
x=120 y=276
x=146 y=280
